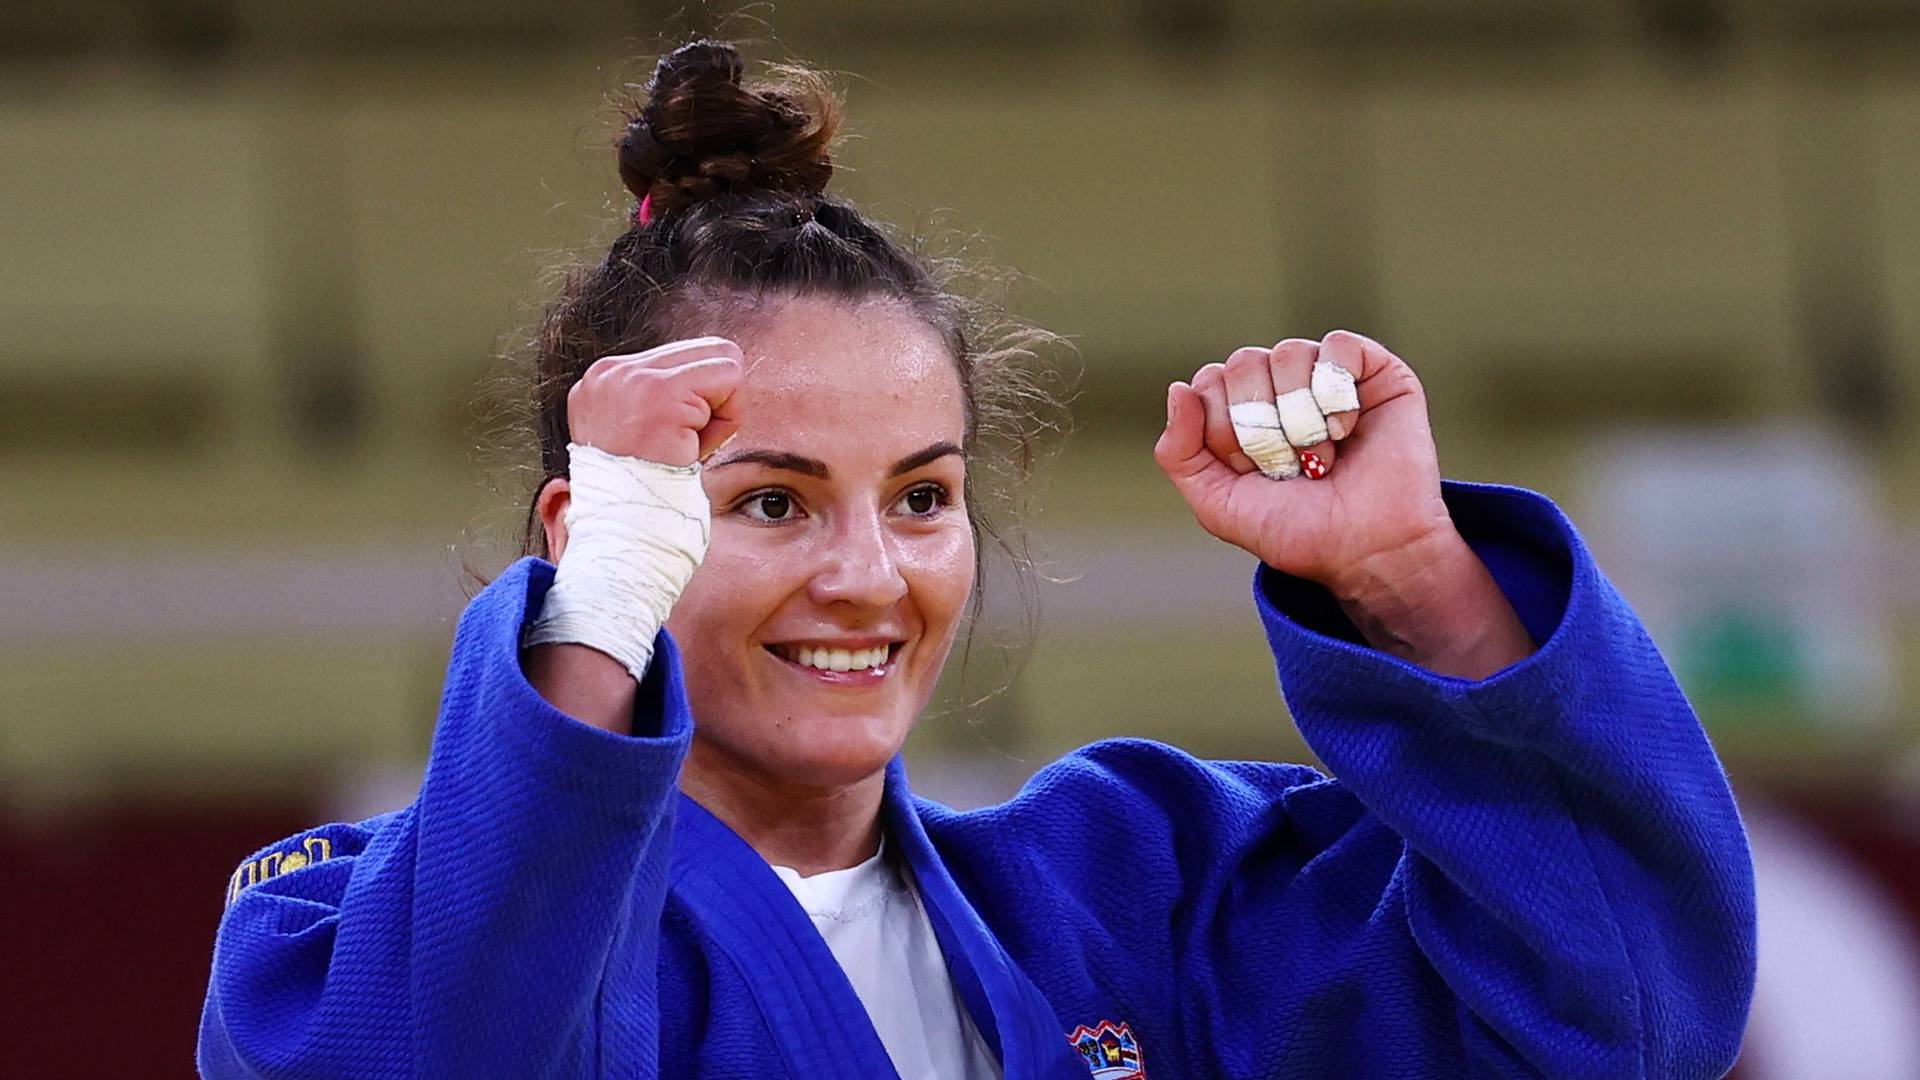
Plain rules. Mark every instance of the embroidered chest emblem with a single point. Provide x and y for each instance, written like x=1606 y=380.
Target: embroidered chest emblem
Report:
x=1110 y=1050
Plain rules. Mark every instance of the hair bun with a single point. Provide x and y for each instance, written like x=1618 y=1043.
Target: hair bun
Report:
x=704 y=131
x=696 y=61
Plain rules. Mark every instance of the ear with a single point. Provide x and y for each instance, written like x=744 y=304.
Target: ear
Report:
x=551 y=504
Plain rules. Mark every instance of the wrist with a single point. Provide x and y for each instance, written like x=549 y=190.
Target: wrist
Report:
x=1389 y=583
x=1434 y=604
x=636 y=532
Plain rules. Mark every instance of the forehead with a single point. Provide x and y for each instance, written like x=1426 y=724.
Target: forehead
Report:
x=823 y=371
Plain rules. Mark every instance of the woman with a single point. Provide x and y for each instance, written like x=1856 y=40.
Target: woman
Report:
x=665 y=831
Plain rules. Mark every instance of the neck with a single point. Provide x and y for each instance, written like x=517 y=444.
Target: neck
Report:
x=809 y=828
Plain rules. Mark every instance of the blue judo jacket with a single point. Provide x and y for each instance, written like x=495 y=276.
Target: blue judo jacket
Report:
x=1540 y=873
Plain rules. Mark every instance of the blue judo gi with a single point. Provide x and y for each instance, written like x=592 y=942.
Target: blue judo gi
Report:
x=1540 y=873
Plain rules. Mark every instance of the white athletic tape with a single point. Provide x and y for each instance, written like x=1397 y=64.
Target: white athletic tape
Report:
x=636 y=531
x=1300 y=418
x=1257 y=425
x=1333 y=388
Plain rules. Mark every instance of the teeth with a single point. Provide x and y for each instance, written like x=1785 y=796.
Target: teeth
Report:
x=836 y=659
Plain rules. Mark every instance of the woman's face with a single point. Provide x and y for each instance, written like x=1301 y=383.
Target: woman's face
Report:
x=839 y=539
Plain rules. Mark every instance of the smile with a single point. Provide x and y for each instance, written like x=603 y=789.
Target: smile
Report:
x=839 y=666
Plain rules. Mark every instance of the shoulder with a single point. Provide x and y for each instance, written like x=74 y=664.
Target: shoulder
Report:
x=1131 y=768
x=1140 y=785
x=1117 y=837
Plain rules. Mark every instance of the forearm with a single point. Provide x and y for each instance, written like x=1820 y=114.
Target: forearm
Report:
x=632 y=533
x=584 y=683
x=1436 y=606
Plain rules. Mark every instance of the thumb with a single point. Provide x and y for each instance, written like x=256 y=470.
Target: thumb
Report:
x=1182 y=450
x=716 y=435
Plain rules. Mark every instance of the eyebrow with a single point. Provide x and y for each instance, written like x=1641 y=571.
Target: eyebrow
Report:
x=922 y=457
x=806 y=466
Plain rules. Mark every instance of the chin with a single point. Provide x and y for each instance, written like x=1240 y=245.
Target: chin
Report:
x=832 y=751
x=838 y=760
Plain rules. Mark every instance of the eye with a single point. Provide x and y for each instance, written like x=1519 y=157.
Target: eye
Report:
x=924 y=500
x=773 y=506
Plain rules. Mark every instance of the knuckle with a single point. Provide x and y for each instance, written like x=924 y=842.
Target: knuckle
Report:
x=1246 y=359
x=1293 y=347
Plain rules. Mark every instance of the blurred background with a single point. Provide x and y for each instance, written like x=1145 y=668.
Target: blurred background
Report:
x=258 y=263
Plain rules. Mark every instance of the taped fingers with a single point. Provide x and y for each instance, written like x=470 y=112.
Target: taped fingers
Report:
x=1283 y=408
x=1301 y=420
x=1256 y=424
x=1342 y=362
x=1255 y=420
x=1210 y=383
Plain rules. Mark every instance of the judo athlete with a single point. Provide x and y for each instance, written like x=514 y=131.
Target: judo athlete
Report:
x=665 y=830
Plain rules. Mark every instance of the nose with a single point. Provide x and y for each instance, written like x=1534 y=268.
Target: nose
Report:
x=859 y=566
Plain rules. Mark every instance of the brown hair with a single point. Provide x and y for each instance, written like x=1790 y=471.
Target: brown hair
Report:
x=733 y=173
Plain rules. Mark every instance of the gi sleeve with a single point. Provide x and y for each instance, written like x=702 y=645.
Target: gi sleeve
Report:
x=1573 y=866
x=1540 y=873
x=483 y=930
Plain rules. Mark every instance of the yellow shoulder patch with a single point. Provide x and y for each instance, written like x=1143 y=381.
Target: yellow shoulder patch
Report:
x=285 y=860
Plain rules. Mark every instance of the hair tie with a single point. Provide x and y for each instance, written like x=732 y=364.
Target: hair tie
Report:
x=643 y=213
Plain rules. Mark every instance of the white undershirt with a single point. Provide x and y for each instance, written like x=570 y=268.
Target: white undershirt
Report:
x=872 y=919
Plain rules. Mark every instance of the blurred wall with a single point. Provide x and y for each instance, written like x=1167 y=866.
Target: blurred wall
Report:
x=258 y=262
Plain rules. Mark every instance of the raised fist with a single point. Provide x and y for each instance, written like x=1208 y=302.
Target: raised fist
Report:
x=669 y=404
x=1325 y=524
